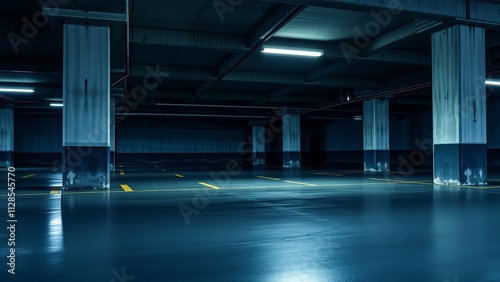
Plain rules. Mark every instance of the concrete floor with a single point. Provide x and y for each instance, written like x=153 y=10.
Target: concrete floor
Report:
x=164 y=223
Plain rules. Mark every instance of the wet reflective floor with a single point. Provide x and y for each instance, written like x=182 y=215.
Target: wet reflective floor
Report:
x=165 y=223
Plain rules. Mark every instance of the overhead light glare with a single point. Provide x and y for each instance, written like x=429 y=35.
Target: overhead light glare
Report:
x=293 y=52
x=17 y=90
x=493 y=82
x=358 y=118
x=56 y=104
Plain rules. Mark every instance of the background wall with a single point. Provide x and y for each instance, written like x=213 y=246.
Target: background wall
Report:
x=143 y=141
x=38 y=140
x=493 y=131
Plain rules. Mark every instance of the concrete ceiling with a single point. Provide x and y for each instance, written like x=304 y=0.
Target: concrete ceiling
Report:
x=209 y=52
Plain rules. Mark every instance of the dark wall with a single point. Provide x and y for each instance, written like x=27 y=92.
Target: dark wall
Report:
x=149 y=142
x=343 y=141
x=37 y=139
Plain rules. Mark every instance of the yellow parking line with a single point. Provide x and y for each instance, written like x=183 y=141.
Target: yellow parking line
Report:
x=269 y=178
x=55 y=191
x=329 y=174
x=300 y=183
x=121 y=172
x=209 y=185
x=403 y=181
x=180 y=176
x=27 y=176
x=126 y=188
x=167 y=190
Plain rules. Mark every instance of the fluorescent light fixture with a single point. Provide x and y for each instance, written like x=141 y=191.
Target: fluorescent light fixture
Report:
x=292 y=51
x=16 y=90
x=56 y=104
x=358 y=118
x=493 y=82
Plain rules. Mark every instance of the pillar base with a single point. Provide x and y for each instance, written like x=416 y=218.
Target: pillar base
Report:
x=259 y=159
x=6 y=159
x=460 y=164
x=376 y=160
x=112 y=162
x=291 y=159
x=86 y=167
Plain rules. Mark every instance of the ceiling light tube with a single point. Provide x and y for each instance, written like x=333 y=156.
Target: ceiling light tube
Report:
x=292 y=51
x=56 y=104
x=493 y=82
x=16 y=90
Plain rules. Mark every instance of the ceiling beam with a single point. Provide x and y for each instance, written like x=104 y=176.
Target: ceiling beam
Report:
x=399 y=35
x=279 y=18
x=164 y=96
x=181 y=73
x=327 y=70
x=236 y=44
x=413 y=78
x=283 y=91
x=87 y=15
x=312 y=76
x=480 y=11
x=190 y=40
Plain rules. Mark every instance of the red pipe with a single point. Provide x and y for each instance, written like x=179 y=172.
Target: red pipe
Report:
x=392 y=92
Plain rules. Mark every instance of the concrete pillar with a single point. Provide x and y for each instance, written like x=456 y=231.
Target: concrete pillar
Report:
x=86 y=96
x=291 y=140
x=112 y=138
x=459 y=106
x=6 y=137
x=376 y=135
x=258 y=145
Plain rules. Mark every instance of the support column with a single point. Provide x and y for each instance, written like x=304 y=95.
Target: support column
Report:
x=6 y=137
x=86 y=96
x=291 y=140
x=459 y=106
x=112 y=140
x=258 y=145
x=376 y=135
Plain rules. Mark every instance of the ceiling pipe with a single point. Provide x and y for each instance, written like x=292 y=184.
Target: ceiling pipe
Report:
x=190 y=115
x=298 y=9
x=238 y=107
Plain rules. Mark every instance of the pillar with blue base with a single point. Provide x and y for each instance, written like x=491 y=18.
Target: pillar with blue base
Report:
x=376 y=135
x=6 y=137
x=258 y=145
x=291 y=140
x=459 y=106
x=86 y=111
